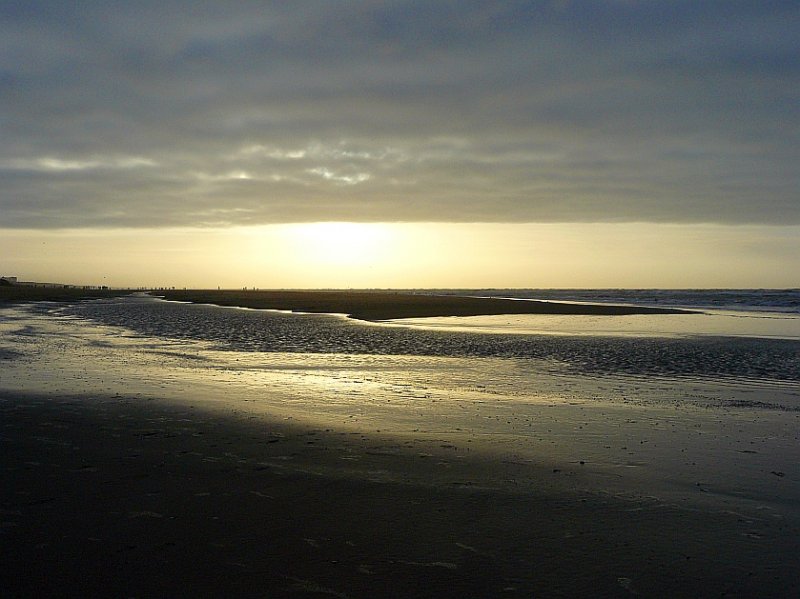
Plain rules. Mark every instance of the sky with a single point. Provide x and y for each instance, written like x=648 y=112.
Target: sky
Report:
x=609 y=143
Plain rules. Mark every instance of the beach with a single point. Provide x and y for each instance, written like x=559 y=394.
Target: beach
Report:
x=142 y=464
x=366 y=300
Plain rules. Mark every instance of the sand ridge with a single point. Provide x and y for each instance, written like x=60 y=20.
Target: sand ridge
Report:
x=384 y=305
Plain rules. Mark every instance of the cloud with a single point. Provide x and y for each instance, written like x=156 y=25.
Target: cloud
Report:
x=49 y=163
x=190 y=113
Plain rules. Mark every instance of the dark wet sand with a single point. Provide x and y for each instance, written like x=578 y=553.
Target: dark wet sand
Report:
x=12 y=294
x=110 y=496
x=384 y=305
x=363 y=305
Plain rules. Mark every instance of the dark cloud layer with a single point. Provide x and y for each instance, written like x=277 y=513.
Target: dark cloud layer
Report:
x=209 y=113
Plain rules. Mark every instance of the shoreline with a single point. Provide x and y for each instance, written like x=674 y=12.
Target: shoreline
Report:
x=384 y=305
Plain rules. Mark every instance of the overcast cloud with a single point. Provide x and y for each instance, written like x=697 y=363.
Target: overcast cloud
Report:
x=216 y=113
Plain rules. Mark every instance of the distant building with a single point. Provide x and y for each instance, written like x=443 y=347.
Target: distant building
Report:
x=8 y=281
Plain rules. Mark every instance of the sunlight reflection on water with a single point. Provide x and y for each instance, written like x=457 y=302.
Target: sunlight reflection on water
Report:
x=770 y=325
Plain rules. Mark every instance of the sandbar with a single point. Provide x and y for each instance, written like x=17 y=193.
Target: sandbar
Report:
x=387 y=305
x=15 y=294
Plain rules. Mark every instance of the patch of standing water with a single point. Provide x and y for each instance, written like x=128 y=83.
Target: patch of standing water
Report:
x=718 y=323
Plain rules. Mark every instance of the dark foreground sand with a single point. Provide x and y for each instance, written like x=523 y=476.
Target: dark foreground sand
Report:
x=384 y=305
x=114 y=496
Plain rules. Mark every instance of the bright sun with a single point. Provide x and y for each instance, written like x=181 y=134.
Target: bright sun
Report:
x=341 y=244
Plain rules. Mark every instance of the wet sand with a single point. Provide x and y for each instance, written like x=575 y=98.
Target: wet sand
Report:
x=142 y=467
x=384 y=305
x=124 y=497
x=15 y=294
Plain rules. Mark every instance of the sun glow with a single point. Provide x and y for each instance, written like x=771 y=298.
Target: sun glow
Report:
x=403 y=255
x=341 y=244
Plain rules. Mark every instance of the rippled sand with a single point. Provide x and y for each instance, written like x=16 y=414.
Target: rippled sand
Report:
x=271 y=331
x=130 y=455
